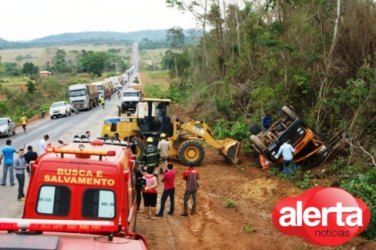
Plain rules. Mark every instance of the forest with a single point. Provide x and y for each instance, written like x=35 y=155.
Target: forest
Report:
x=318 y=56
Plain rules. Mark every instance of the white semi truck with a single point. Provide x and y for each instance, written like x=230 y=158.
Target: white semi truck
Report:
x=83 y=96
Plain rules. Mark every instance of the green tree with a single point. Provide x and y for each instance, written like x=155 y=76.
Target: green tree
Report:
x=93 y=62
x=59 y=64
x=30 y=69
x=176 y=38
x=30 y=87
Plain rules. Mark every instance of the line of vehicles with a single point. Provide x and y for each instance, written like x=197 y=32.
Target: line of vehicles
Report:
x=82 y=194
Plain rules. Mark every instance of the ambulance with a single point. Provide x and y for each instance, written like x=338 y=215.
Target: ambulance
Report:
x=81 y=196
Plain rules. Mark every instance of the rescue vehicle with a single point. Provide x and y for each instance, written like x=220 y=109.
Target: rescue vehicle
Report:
x=80 y=196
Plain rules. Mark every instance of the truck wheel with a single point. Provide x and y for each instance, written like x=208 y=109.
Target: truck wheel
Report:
x=139 y=148
x=289 y=112
x=191 y=152
x=258 y=143
x=254 y=129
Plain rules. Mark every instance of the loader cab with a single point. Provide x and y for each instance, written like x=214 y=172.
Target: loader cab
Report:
x=152 y=117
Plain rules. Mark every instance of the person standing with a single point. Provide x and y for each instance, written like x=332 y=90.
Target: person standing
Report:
x=287 y=153
x=140 y=184
x=30 y=156
x=163 y=147
x=149 y=193
x=20 y=166
x=267 y=121
x=168 y=191
x=7 y=155
x=191 y=177
x=43 y=143
x=23 y=121
x=102 y=101
x=150 y=154
x=87 y=134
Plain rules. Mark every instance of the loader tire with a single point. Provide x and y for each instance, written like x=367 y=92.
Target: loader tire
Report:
x=258 y=143
x=139 y=148
x=289 y=112
x=191 y=152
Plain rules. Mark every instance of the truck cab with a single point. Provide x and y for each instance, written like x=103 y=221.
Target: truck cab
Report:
x=83 y=96
x=130 y=99
x=85 y=189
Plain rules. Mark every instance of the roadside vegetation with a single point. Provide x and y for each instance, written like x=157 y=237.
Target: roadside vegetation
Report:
x=312 y=55
x=22 y=89
x=249 y=62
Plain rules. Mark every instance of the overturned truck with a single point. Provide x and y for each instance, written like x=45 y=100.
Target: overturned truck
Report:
x=310 y=150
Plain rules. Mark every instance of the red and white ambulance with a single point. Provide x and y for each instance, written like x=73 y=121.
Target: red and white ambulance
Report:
x=80 y=196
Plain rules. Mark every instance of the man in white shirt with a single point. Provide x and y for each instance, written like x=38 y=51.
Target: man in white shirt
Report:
x=288 y=159
x=43 y=143
x=163 y=152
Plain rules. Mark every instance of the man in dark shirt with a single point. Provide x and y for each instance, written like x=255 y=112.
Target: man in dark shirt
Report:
x=30 y=156
x=150 y=154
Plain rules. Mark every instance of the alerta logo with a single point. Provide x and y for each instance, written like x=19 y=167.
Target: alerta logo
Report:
x=322 y=216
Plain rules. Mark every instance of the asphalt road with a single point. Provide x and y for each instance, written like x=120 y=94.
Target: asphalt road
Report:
x=64 y=129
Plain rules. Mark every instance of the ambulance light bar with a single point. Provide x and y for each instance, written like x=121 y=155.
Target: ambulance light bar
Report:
x=81 y=151
x=79 y=226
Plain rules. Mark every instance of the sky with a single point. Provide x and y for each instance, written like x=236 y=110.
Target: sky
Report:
x=22 y=20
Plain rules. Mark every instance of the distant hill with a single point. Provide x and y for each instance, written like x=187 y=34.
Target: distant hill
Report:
x=98 y=37
x=103 y=36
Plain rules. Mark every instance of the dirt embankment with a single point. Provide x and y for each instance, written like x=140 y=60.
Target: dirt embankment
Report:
x=217 y=227
x=246 y=226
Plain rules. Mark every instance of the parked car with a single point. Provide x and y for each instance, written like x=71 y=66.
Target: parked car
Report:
x=59 y=109
x=7 y=127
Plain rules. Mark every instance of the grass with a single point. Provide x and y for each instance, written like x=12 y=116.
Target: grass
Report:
x=156 y=77
x=40 y=56
x=151 y=59
x=248 y=229
x=230 y=203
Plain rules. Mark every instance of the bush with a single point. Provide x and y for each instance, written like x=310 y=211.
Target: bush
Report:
x=362 y=186
x=230 y=203
x=248 y=229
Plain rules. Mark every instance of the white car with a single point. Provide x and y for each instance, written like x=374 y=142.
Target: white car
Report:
x=7 y=127
x=59 y=109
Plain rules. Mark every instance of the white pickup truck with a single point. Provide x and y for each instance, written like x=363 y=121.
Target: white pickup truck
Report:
x=59 y=109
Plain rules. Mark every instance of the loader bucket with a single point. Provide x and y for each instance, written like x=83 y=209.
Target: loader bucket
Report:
x=231 y=150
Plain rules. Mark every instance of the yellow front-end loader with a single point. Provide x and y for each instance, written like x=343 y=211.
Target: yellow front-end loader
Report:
x=185 y=138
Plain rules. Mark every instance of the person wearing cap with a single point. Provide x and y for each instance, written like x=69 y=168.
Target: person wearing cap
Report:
x=163 y=147
x=23 y=121
x=191 y=177
x=19 y=167
x=150 y=154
